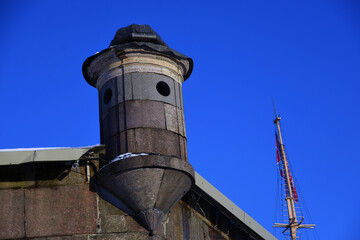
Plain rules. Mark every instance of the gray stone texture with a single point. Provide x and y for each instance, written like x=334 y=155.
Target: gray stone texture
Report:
x=105 y=107
x=147 y=140
x=69 y=212
x=206 y=231
x=181 y=104
x=113 y=121
x=196 y=227
x=125 y=236
x=173 y=224
x=107 y=209
x=121 y=89
x=142 y=114
x=144 y=161
x=186 y=215
x=145 y=114
x=62 y=210
x=72 y=237
x=139 y=86
x=135 y=188
x=144 y=87
x=133 y=226
x=178 y=95
x=150 y=218
x=71 y=178
x=171 y=118
x=116 y=145
x=181 y=122
x=170 y=195
x=146 y=187
x=124 y=85
x=113 y=224
x=17 y=184
x=12 y=214
x=183 y=148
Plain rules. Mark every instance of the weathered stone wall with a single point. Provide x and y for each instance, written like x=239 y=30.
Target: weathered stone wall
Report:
x=35 y=205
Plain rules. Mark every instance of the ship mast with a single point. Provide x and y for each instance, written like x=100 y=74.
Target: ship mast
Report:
x=293 y=224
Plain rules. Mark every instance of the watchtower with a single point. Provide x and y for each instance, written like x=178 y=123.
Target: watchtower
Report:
x=139 y=80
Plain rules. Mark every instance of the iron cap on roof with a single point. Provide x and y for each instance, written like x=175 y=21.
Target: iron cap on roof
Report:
x=139 y=37
x=136 y=33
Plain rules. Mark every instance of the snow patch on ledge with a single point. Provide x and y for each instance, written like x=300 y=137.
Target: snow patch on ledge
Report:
x=127 y=155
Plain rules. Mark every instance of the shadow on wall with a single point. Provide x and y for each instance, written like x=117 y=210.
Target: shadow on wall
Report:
x=35 y=171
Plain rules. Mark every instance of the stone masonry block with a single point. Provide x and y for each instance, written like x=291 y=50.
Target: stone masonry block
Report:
x=118 y=144
x=108 y=86
x=114 y=121
x=173 y=224
x=107 y=209
x=183 y=148
x=152 y=140
x=124 y=88
x=71 y=178
x=133 y=114
x=185 y=217
x=146 y=114
x=113 y=146
x=72 y=237
x=116 y=90
x=110 y=124
x=196 y=228
x=12 y=214
x=181 y=104
x=181 y=122
x=63 y=210
x=113 y=224
x=145 y=140
x=125 y=236
x=177 y=88
x=39 y=175
x=171 y=118
x=144 y=87
x=192 y=225
x=133 y=226
x=16 y=184
x=206 y=232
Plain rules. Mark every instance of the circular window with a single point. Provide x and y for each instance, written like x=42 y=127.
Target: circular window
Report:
x=163 y=88
x=107 y=96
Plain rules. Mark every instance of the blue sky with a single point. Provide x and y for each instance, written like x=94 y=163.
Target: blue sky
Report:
x=304 y=54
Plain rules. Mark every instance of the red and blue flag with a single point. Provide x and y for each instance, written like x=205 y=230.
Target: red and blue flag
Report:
x=281 y=165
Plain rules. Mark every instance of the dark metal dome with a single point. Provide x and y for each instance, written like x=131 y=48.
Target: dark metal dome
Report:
x=138 y=36
x=136 y=33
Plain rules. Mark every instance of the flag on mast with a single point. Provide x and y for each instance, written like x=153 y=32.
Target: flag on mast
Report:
x=280 y=163
x=279 y=160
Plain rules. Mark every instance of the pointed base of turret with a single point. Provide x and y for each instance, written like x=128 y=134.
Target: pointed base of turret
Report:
x=146 y=187
x=150 y=219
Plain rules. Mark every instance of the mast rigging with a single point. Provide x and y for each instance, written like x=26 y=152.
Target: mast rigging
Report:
x=291 y=196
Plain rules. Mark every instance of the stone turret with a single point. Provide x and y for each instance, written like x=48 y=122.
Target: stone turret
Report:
x=139 y=80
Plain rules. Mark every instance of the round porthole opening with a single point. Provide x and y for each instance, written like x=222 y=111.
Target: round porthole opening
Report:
x=163 y=88
x=107 y=96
